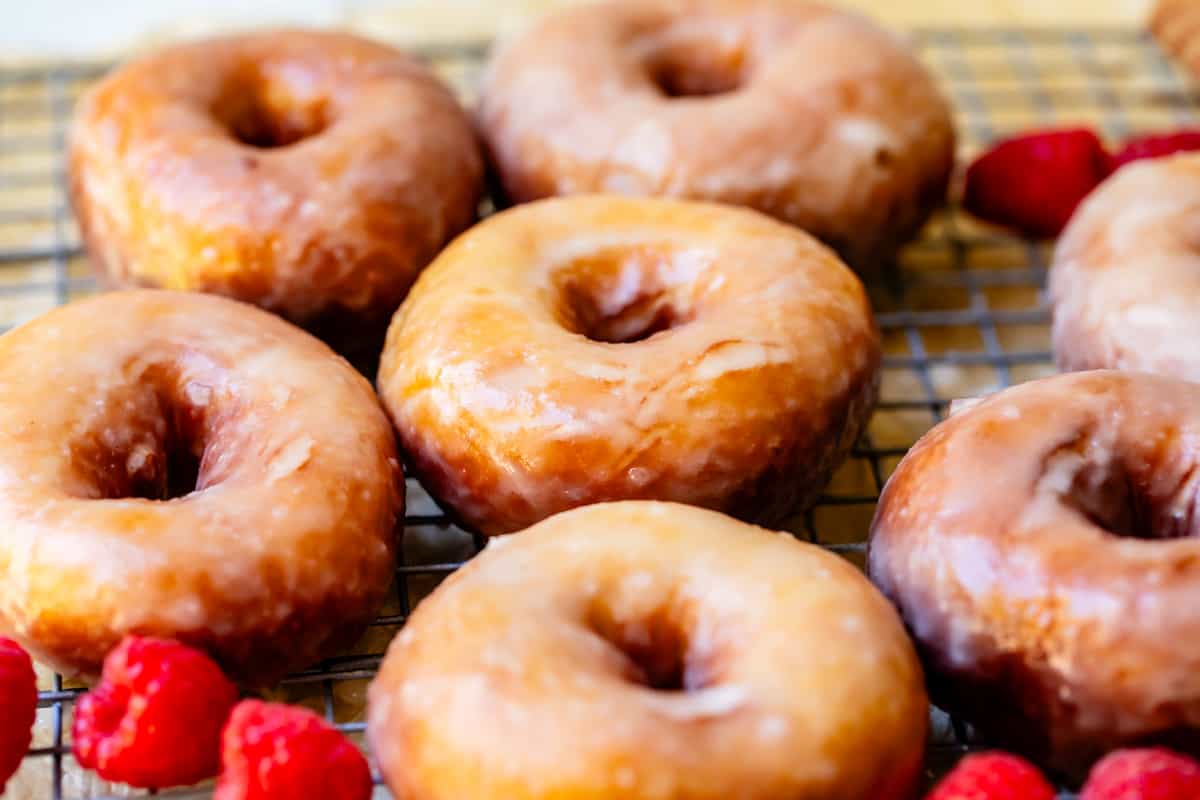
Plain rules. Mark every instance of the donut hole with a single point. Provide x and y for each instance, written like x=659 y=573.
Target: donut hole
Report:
x=656 y=649
x=622 y=295
x=147 y=446
x=636 y=321
x=266 y=114
x=264 y=127
x=1129 y=498
x=170 y=474
x=697 y=69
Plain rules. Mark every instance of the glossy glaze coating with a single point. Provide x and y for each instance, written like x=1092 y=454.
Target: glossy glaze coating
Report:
x=584 y=349
x=1176 y=24
x=1042 y=546
x=530 y=673
x=814 y=116
x=1125 y=283
x=283 y=549
x=313 y=174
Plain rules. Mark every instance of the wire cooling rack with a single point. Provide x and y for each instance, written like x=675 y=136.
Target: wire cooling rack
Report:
x=962 y=314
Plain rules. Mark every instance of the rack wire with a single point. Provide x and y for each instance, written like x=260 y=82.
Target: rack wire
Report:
x=962 y=314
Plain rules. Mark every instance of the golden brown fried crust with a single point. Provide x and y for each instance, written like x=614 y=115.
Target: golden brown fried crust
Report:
x=814 y=116
x=313 y=174
x=1176 y=25
x=272 y=550
x=651 y=650
x=584 y=349
x=1043 y=548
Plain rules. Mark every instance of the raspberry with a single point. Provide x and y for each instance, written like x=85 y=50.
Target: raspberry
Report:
x=993 y=776
x=1150 y=774
x=1157 y=146
x=1033 y=183
x=18 y=699
x=271 y=751
x=155 y=718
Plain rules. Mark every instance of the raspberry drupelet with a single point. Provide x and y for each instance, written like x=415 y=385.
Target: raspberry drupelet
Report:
x=155 y=718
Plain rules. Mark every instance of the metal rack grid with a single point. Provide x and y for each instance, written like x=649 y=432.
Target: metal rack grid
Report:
x=962 y=314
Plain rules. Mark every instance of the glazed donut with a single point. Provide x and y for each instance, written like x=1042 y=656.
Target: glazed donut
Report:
x=584 y=349
x=1042 y=547
x=650 y=650
x=811 y=115
x=313 y=174
x=180 y=465
x=1125 y=282
x=1176 y=25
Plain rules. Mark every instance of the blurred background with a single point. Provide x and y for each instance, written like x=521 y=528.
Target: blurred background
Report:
x=95 y=28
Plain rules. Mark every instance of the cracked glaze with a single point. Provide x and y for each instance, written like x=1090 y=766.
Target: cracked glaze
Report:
x=328 y=231
x=1125 y=283
x=282 y=553
x=814 y=116
x=1042 y=547
x=800 y=681
x=760 y=371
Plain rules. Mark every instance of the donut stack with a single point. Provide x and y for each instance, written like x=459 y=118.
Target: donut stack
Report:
x=658 y=347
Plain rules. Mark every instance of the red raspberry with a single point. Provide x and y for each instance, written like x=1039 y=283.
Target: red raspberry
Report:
x=1150 y=774
x=155 y=718
x=1157 y=146
x=1033 y=183
x=993 y=776
x=271 y=751
x=18 y=699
